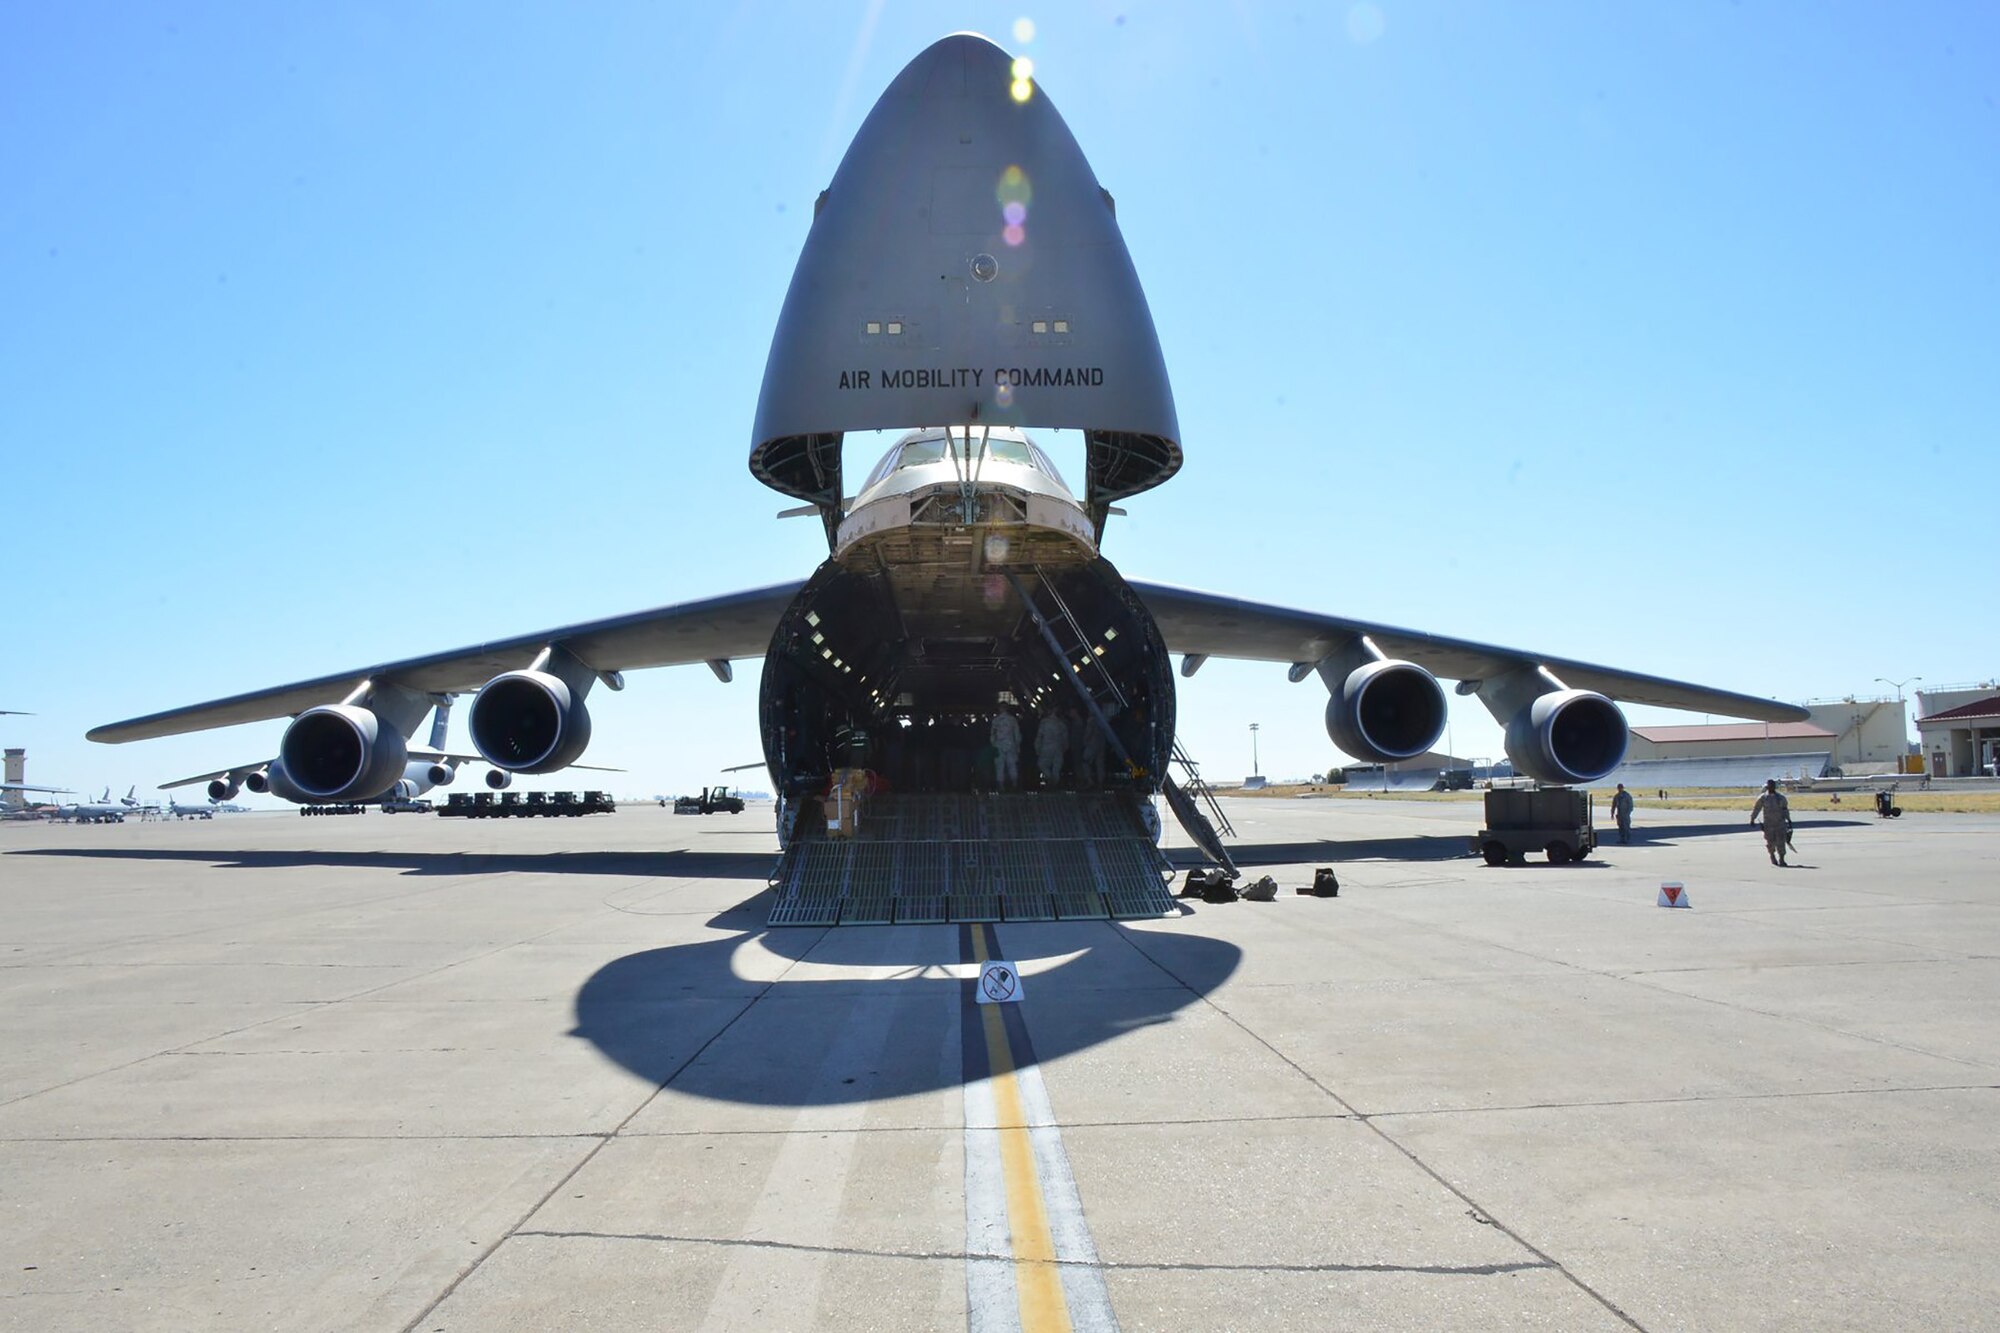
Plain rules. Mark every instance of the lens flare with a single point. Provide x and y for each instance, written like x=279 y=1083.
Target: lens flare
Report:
x=1024 y=30
x=1022 y=89
x=1015 y=212
x=1013 y=233
x=1004 y=395
x=1014 y=188
x=1023 y=68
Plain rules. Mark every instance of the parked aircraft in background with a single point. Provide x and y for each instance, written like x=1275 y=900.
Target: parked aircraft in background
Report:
x=963 y=280
x=179 y=811
x=133 y=805
x=103 y=810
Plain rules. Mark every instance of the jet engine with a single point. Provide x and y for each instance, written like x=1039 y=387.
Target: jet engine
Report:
x=223 y=789
x=1386 y=710
x=441 y=774
x=499 y=779
x=1567 y=736
x=341 y=752
x=529 y=722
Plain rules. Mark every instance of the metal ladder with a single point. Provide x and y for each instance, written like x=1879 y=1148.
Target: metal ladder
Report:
x=1202 y=828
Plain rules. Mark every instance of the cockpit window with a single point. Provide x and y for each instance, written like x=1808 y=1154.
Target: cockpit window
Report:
x=932 y=449
x=919 y=452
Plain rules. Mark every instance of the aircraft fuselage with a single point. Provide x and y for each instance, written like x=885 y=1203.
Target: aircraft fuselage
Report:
x=919 y=627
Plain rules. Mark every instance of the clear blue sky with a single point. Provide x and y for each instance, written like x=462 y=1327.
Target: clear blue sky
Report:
x=1663 y=336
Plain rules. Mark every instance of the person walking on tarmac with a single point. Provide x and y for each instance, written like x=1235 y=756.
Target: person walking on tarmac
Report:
x=1777 y=816
x=1621 y=810
x=1051 y=745
x=1006 y=737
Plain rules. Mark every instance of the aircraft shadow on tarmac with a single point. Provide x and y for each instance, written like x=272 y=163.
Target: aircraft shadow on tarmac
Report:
x=672 y=864
x=1669 y=833
x=1431 y=848
x=1455 y=847
x=826 y=1041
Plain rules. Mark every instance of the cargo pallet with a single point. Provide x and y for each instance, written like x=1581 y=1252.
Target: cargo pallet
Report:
x=524 y=805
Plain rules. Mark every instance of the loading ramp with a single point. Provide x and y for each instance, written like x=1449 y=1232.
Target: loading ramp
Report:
x=1047 y=856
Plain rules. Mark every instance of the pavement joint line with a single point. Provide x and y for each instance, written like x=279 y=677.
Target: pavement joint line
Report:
x=1720 y=1099
x=1636 y=979
x=98 y=945
x=297 y=1009
x=1805 y=1021
x=579 y=1136
x=1928 y=961
x=1100 y=1266
x=1476 y=1210
x=491 y=1249
x=887 y=1130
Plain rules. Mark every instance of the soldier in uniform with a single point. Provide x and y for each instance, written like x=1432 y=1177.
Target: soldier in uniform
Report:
x=1006 y=737
x=1621 y=810
x=1776 y=812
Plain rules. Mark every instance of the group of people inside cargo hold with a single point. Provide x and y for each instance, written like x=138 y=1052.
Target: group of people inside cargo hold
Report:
x=1050 y=750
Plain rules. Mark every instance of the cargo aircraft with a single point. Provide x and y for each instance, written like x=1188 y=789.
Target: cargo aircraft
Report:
x=963 y=281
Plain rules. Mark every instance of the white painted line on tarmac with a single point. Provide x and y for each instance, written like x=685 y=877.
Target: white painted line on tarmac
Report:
x=1031 y=1264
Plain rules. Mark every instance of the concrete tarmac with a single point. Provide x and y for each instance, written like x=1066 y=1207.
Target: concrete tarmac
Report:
x=401 y=1072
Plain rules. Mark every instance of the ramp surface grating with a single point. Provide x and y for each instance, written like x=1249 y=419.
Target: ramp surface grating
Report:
x=937 y=858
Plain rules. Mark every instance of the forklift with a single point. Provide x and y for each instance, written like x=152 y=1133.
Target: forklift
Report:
x=711 y=800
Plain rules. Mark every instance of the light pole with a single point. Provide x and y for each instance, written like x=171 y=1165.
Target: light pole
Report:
x=1899 y=684
x=1254 y=770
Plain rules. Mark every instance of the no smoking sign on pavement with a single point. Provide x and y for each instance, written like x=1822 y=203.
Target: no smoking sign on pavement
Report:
x=999 y=983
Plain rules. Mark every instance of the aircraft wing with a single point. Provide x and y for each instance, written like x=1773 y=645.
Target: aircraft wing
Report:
x=438 y=756
x=1211 y=625
x=17 y=786
x=736 y=625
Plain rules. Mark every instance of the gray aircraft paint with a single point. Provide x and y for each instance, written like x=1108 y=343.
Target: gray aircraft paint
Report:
x=913 y=237
x=965 y=266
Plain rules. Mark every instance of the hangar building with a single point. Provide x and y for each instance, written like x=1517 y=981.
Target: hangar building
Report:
x=1960 y=730
x=1854 y=735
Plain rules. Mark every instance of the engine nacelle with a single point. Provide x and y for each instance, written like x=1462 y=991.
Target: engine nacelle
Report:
x=341 y=752
x=529 y=722
x=440 y=775
x=1386 y=710
x=222 y=789
x=1567 y=736
x=258 y=781
x=499 y=779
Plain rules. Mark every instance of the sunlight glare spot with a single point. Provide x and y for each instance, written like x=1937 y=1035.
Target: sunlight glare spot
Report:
x=1014 y=188
x=1022 y=90
x=1365 y=23
x=1024 y=30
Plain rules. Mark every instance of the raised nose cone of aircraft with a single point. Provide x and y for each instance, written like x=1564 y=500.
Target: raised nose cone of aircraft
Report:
x=965 y=267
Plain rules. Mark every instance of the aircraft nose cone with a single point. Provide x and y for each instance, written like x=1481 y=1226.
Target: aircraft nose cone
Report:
x=964 y=266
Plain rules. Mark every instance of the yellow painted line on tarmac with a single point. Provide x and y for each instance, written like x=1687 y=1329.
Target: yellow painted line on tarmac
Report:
x=1037 y=1276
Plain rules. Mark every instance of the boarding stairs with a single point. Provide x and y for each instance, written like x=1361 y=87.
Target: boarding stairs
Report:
x=937 y=857
x=1186 y=798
